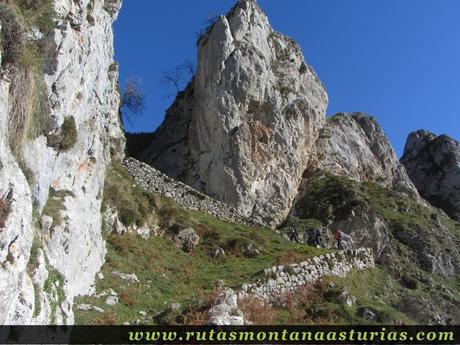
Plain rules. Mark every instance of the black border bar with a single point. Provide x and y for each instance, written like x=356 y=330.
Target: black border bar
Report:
x=229 y=334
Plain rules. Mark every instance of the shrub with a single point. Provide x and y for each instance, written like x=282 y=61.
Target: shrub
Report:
x=36 y=13
x=197 y=314
x=196 y=317
x=12 y=35
x=28 y=113
x=107 y=318
x=130 y=298
x=69 y=133
x=132 y=101
x=237 y=246
x=121 y=243
x=66 y=138
x=258 y=312
x=303 y=303
x=289 y=257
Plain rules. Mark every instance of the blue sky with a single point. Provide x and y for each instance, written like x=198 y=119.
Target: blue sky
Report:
x=397 y=60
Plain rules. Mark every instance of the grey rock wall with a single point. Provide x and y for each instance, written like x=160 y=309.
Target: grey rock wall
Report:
x=354 y=145
x=80 y=82
x=433 y=164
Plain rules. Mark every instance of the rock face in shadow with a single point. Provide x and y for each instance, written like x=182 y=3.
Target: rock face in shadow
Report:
x=244 y=129
x=433 y=163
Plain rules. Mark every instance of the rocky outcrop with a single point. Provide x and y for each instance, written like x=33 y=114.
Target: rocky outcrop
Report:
x=225 y=311
x=65 y=167
x=354 y=145
x=243 y=130
x=433 y=164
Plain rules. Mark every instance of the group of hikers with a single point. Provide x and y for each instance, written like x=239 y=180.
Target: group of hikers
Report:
x=317 y=237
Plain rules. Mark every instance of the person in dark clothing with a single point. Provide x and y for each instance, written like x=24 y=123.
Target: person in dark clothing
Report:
x=317 y=237
x=338 y=238
x=293 y=236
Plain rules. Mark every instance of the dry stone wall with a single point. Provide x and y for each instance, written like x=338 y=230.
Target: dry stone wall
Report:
x=280 y=280
x=154 y=181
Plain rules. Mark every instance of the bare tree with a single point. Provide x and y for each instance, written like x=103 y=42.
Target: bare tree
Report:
x=188 y=67
x=132 y=101
x=177 y=78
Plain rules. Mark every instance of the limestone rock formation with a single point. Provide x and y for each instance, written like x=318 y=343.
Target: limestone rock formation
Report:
x=433 y=164
x=64 y=164
x=354 y=145
x=244 y=128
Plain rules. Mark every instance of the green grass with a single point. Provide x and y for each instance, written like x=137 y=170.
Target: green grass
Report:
x=35 y=13
x=185 y=278
x=50 y=284
x=55 y=204
x=133 y=204
x=376 y=289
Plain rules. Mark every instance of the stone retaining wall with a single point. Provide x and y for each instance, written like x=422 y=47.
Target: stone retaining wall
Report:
x=280 y=280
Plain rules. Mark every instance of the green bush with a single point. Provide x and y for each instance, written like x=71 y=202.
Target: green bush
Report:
x=331 y=198
x=66 y=138
x=69 y=133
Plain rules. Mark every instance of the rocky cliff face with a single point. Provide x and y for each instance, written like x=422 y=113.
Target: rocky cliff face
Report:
x=51 y=245
x=355 y=145
x=433 y=163
x=243 y=130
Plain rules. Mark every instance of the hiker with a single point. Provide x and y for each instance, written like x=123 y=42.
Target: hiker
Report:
x=293 y=235
x=317 y=237
x=338 y=237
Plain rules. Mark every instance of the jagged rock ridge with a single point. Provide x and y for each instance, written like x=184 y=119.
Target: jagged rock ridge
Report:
x=433 y=163
x=243 y=130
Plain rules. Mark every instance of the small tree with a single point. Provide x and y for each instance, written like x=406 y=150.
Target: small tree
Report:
x=177 y=78
x=132 y=101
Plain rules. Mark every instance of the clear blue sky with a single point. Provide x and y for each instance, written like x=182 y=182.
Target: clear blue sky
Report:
x=397 y=60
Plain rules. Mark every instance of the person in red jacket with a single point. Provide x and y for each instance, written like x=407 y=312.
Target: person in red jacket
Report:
x=338 y=238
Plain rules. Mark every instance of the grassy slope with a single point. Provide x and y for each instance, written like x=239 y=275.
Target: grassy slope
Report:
x=167 y=274
x=416 y=229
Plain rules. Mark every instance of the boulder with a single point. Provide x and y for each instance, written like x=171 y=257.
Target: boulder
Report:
x=187 y=239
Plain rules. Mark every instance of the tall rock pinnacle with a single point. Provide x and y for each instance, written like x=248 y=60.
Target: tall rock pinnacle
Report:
x=245 y=127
